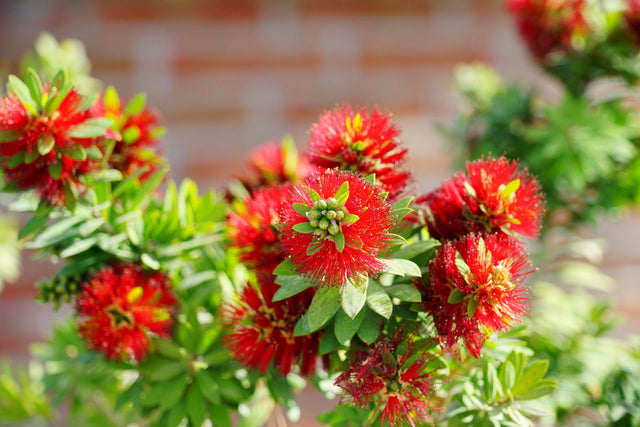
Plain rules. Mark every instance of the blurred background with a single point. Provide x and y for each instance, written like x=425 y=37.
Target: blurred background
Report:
x=228 y=76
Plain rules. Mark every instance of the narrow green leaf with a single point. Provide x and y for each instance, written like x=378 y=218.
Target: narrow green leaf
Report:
x=76 y=152
x=401 y=213
x=220 y=415
x=328 y=341
x=285 y=268
x=36 y=222
x=371 y=179
x=303 y=227
x=80 y=245
x=404 y=292
x=149 y=261
x=17 y=159
x=314 y=246
x=510 y=188
x=354 y=296
x=209 y=388
x=45 y=144
x=414 y=249
x=196 y=406
x=350 y=219
x=462 y=266
x=314 y=195
x=370 y=326
x=301 y=208
x=342 y=194
x=530 y=378
x=345 y=327
x=472 y=307
x=507 y=374
x=378 y=300
x=147 y=187
x=324 y=305
x=176 y=415
x=543 y=388
x=456 y=296
x=55 y=170
x=135 y=105
x=20 y=90
x=402 y=203
x=339 y=241
x=94 y=153
x=35 y=87
x=90 y=128
x=290 y=286
x=9 y=135
x=401 y=267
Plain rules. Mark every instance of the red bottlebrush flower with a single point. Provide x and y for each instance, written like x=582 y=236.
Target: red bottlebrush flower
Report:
x=50 y=142
x=263 y=329
x=475 y=288
x=275 y=164
x=360 y=142
x=393 y=377
x=632 y=16
x=336 y=225
x=120 y=306
x=548 y=25
x=252 y=228
x=135 y=131
x=494 y=196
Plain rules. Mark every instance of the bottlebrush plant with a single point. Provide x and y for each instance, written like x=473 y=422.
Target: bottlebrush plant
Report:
x=324 y=268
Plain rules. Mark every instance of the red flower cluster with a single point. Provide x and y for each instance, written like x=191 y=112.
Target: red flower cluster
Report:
x=252 y=228
x=48 y=149
x=494 y=196
x=263 y=329
x=335 y=227
x=632 y=16
x=475 y=288
x=360 y=142
x=135 y=131
x=548 y=25
x=275 y=164
x=120 y=306
x=390 y=375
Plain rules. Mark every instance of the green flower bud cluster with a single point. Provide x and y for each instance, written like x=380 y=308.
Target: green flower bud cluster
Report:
x=326 y=217
x=59 y=289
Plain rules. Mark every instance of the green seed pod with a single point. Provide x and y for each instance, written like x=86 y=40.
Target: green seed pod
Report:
x=320 y=204
x=334 y=228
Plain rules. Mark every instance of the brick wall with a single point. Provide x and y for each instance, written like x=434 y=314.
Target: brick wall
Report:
x=231 y=75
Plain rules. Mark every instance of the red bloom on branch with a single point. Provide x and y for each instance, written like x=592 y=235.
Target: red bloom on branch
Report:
x=47 y=144
x=391 y=375
x=494 y=196
x=549 y=25
x=336 y=225
x=475 y=288
x=263 y=329
x=252 y=228
x=136 y=132
x=273 y=164
x=121 y=306
x=360 y=142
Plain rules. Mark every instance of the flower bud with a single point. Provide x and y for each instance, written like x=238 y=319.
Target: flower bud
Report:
x=331 y=215
x=320 y=204
x=334 y=228
x=332 y=203
x=323 y=224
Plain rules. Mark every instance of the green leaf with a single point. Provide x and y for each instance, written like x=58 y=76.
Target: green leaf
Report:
x=404 y=292
x=135 y=105
x=219 y=415
x=209 y=388
x=510 y=188
x=370 y=326
x=530 y=378
x=507 y=375
x=339 y=241
x=37 y=221
x=354 y=296
x=91 y=128
x=302 y=208
x=378 y=300
x=56 y=232
x=324 y=305
x=111 y=99
x=169 y=348
x=328 y=341
x=491 y=386
x=285 y=268
x=456 y=296
x=472 y=307
x=76 y=152
x=131 y=134
x=78 y=246
x=20 y=90
x=371 y=179
x=176 y=415
x=462 y=266
x=196 y=406
x=94 y=153
x=543 y=388
x=314 y=195
x=149 y=261
x=414 y=249
x=165 y=394
x=9 y=135
x=345 y=327
x=401 y=267
x=342 y=194
x=350 y=219
x=35 y=87
x=304 y=227
x=290 y=286
x=55 y=170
